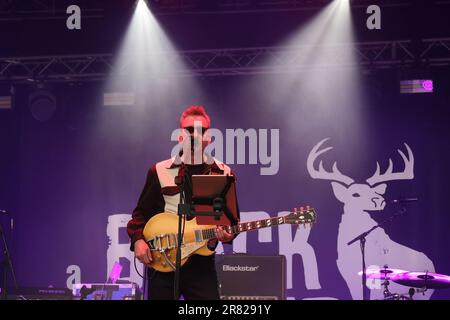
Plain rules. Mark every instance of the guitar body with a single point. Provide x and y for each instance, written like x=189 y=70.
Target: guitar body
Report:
x=163 y=229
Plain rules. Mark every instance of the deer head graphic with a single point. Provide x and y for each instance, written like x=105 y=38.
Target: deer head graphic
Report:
x=366 y=196
x=358 y=198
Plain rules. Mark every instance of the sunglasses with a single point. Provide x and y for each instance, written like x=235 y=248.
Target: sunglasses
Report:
x=199 y=130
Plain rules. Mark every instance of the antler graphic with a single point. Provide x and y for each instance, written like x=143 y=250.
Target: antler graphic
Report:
x=335 y=175
x=406 y=174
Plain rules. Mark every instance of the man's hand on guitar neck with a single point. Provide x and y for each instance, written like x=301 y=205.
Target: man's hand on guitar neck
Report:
x=222 y=235
x=142 y=252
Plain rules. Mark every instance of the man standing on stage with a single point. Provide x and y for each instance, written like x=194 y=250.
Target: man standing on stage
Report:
x=198 y=278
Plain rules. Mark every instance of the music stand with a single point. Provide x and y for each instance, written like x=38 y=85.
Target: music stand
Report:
x=214 y=200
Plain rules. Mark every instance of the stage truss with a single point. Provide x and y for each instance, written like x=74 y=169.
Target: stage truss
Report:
x=233 y=61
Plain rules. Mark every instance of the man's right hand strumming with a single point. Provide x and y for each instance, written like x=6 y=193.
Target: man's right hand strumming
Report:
x=142 y=252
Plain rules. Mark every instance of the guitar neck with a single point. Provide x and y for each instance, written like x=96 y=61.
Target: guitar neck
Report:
x=244 y=226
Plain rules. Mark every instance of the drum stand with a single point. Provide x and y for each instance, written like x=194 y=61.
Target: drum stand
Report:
x=392 y=296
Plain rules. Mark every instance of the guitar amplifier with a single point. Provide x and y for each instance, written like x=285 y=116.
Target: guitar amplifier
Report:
x=247 y=277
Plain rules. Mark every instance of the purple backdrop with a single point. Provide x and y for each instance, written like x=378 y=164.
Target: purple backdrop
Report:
x=63 y=178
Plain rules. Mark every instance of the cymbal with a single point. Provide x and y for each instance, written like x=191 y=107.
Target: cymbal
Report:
x=385 y=273
x=422 y=279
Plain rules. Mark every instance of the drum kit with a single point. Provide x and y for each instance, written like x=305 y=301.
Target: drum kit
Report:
x=419 y=282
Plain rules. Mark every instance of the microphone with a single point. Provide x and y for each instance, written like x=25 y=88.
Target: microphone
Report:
x=404 y=200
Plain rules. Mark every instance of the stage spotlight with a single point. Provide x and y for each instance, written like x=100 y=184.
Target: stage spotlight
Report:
x=6 y=96
x=5 y=102
x=142 y=4
x=416 y=86
x=147 y=64
x=42 y=104
x=118 y=99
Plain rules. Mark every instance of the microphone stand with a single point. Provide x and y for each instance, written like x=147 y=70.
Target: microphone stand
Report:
x=362 y=240
x=7 y=263
x=183 y=213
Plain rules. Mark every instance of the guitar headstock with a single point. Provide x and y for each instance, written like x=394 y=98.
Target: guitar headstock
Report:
x=302 y=215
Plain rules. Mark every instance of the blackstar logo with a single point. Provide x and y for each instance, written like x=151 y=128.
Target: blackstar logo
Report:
x=227 y=267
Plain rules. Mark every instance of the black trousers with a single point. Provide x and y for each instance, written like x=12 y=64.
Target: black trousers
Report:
x=198 y=281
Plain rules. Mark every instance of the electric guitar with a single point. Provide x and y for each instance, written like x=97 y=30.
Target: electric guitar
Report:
x=161 y=230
